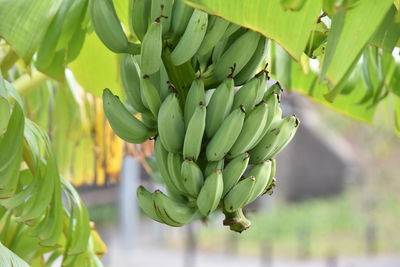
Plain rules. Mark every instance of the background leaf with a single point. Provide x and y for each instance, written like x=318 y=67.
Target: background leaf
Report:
x=290 y=29
x=346 y=43
x=23 y=23
x=96 y=67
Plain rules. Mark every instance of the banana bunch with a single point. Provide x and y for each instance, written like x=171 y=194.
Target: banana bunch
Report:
x=214 y=143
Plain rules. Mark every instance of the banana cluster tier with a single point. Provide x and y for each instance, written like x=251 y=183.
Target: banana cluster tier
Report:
x=195 y=83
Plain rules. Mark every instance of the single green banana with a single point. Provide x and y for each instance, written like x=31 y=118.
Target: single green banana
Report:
x=161 y=156
x=108 y=27
x=213 y=166
x=239 y=194
x=131 y=82
x=218 y=51
x=210 y=193
x=164 y=82
x=232 y=28
x=162 y=8
x=194 y=134
x=274 y=89
x=219 y=107
x=150 y=95
x=254 y=63
x=181 y=14
x=226 y=135
x=146 y=203
x=252 y=129
x=139 y=12
x=213 y=36
x=274 y=114
x=148 y=120
x=237 y=55
x=286 y=134
x=172 y=212
x=274 y=141
x=192 y=177
x=175 y=161
x=234 y=170
x=271 y=184
x=151 y=48
x=247 y=95
x=191 y=39
x=124 y=124
x=194 y=98
x=262 y=173
x=171 y=126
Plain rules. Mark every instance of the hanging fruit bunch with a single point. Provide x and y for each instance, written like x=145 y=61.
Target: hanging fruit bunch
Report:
x=196 y=81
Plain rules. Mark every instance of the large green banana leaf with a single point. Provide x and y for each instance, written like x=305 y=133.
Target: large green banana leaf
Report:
x=8 y=258
x=352 y=27
x=23 y=23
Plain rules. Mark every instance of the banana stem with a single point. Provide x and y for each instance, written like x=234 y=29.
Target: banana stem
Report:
x=180 y=76
x=236 y=220
x=8 y=61
x=27 y=83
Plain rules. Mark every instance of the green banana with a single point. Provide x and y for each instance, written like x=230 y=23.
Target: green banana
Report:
x=171 y=212
x=150 y=95
x=162 y=8
x=252 y=129
x=275 y=140
x=139 y=12
x=164 y=82
x=218 y=51
x=171 y=126
x=237 y=55
x=239 y=194
x=151 y=48
x=234 y=170
x=194 y=134
x=148 y=120
x=213 y=166
x=161 y=156
x=131 y=82
x=108 y=27
x=262 y=173
x=271 y=181
x=213 y=36
x=194 y=98
x=219 y=107
x=180 y=17
x=210 y=193
x=274 y=114
x=247 y=95
x=174 y=169
x=122 y=122
x=232 y=28
x=191 y=39
x=226 y=135
x=146 y=203
x=286 y=134
x=192 y=177
x=274 y=89
x=254 y=63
